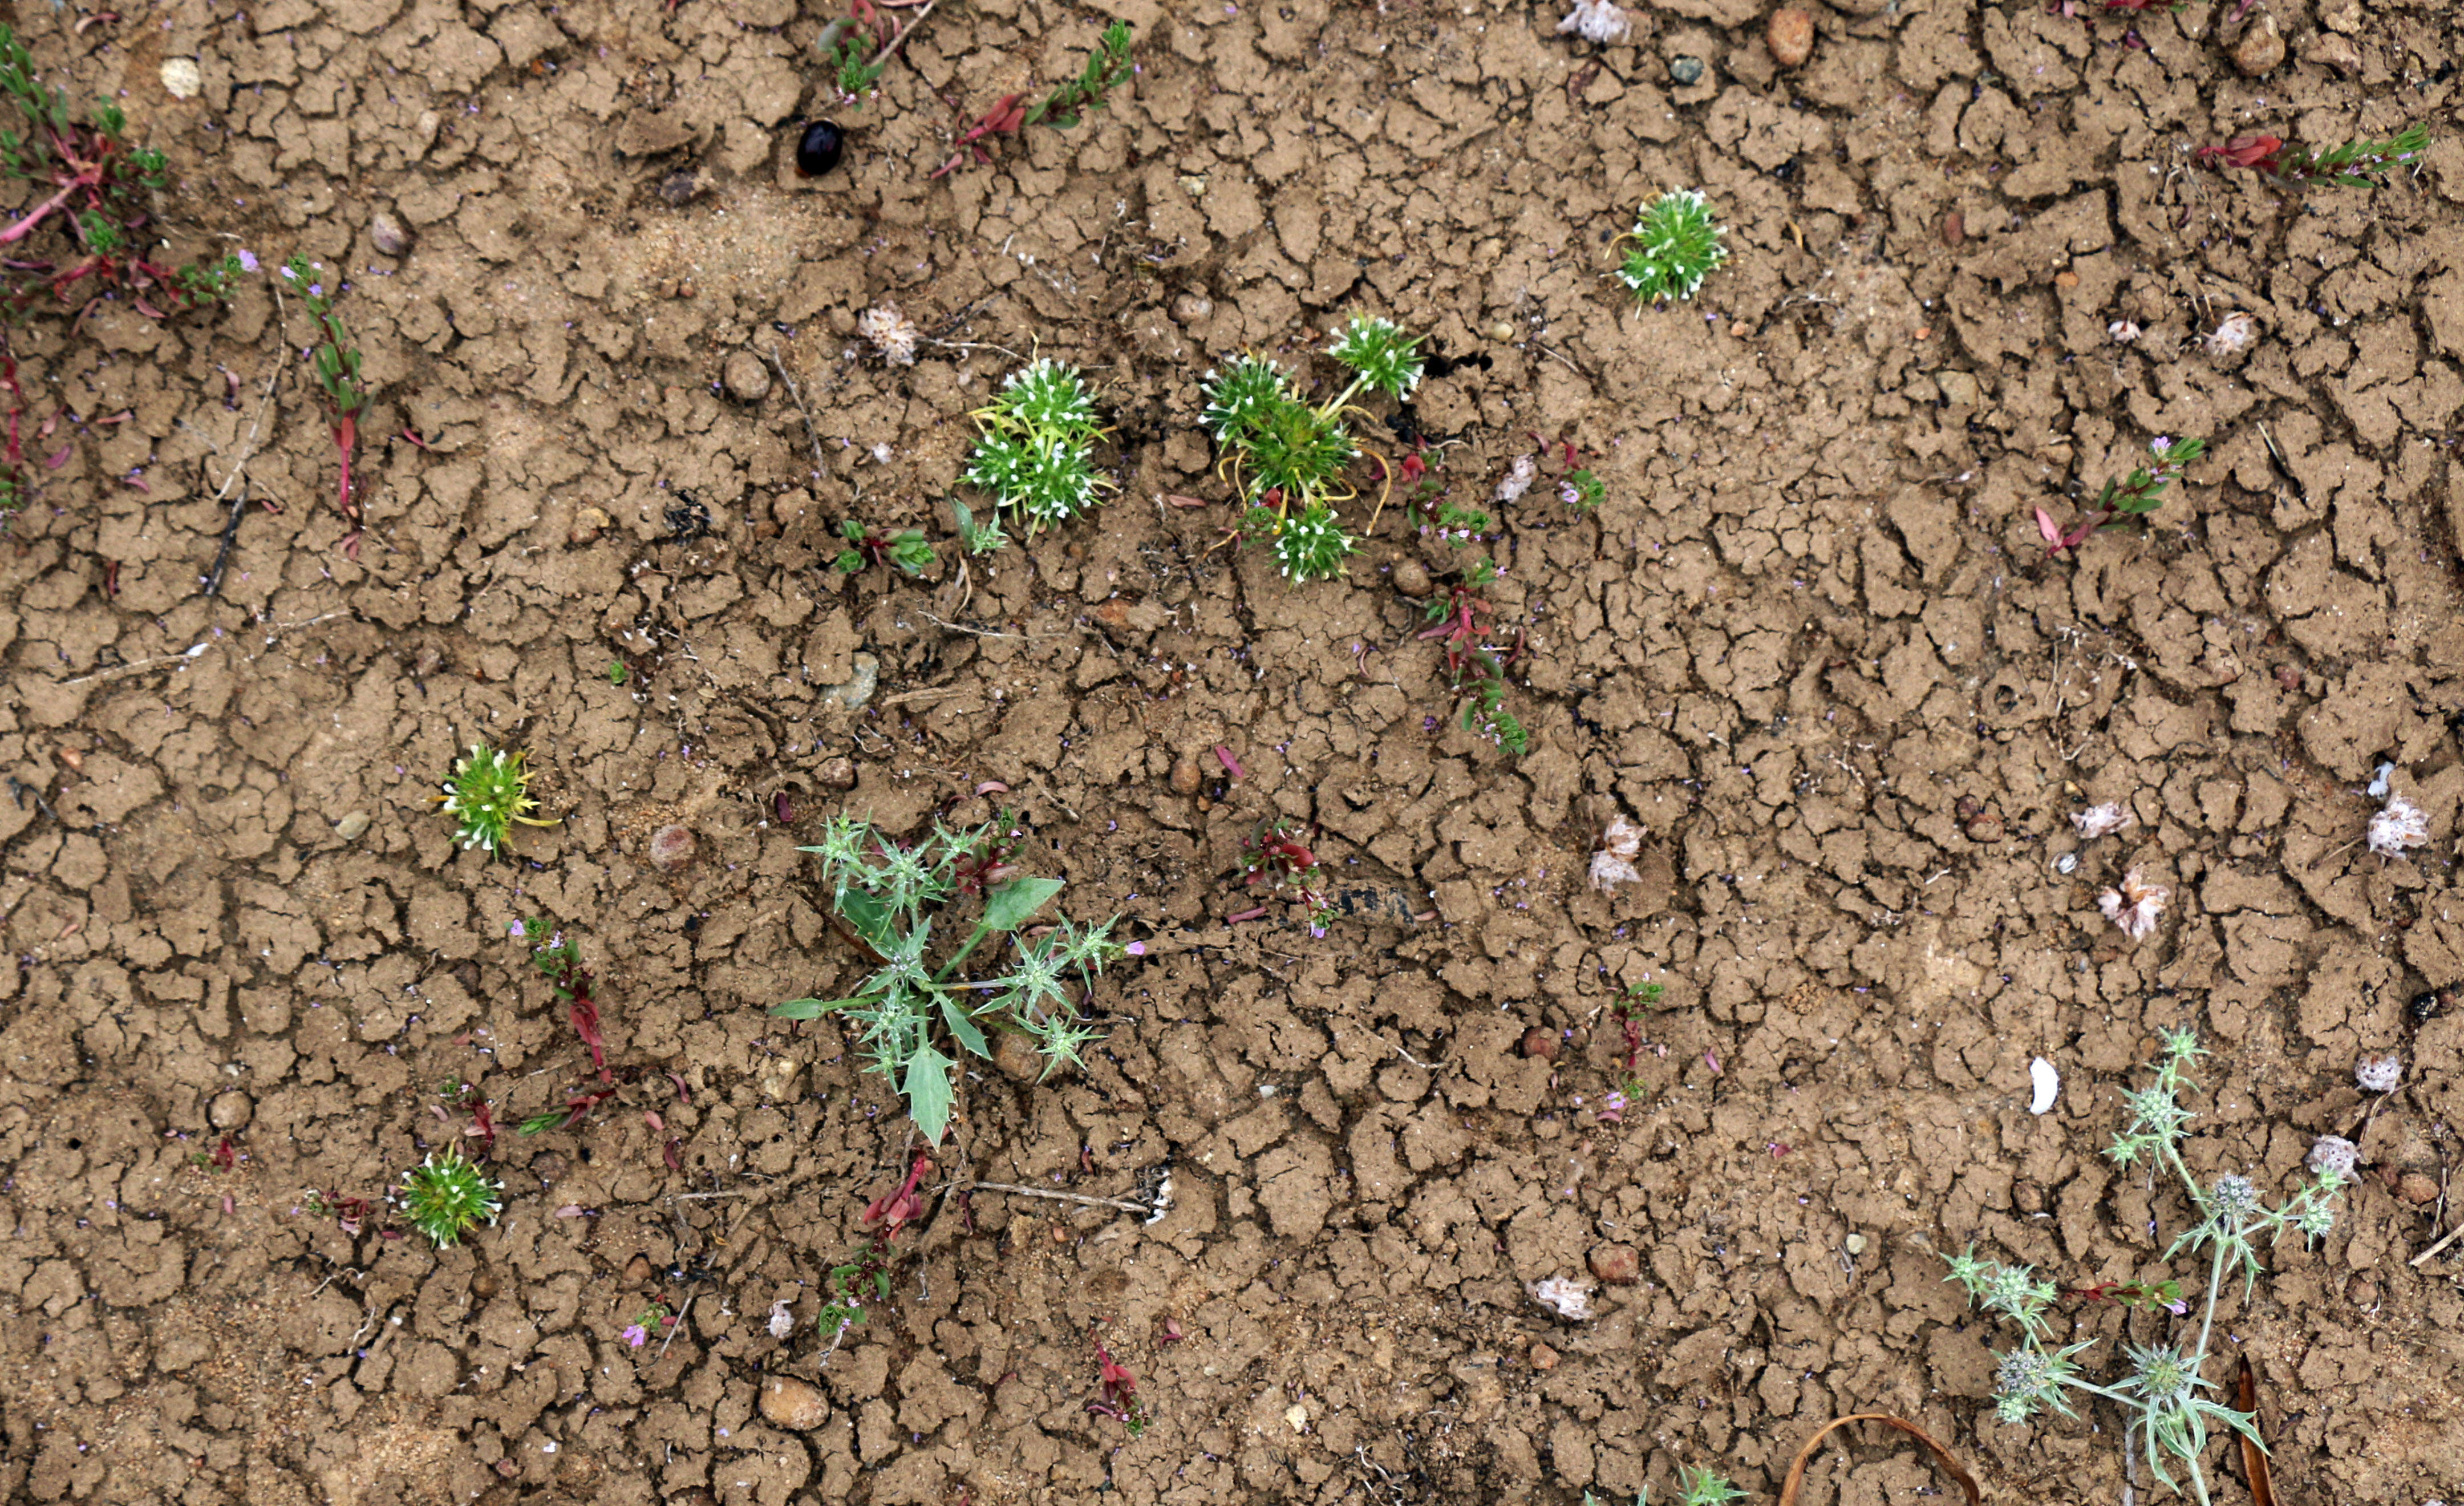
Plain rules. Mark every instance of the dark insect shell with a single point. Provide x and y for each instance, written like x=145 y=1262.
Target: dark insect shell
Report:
x=819 y=149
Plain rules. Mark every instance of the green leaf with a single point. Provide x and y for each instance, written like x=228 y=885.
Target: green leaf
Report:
x=963 y=1028
x=928 y=1091
x=809 y=1009
x=870 y=916
x=1014 y=902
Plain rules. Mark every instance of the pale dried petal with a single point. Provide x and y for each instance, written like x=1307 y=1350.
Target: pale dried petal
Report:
x=2097 y=821
x=1598 y=21
x=2400 y=826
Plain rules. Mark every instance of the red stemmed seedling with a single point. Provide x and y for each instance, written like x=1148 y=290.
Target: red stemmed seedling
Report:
x=2141 y=493
x=1107 y=67
x=1475 y=671
x=1275 y=858
x=335 y=360
x=1120 y=1390
x=2350 y=165
x=892 y=1211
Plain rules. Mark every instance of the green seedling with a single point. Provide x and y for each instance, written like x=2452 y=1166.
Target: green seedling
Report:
x=1582 y=491
x=1703 y=1487
x=1287 y=459
x=617 y=673
x=855 y=49
x=1676 y=244
x=2350 y=166
x=1460 y=525
x=1107 y=67
x=488 y=793
x=904 y=551
x=2164 y=1395
x=444 y=1197
x=919 y=1008
x=1474 y=670
x=1037 y=453
x=336 y=362
x=2135 y=497
x=977 y=538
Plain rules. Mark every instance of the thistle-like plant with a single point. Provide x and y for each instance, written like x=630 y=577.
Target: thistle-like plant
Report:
x=2135 y=497
x=977 y=538
x=2164 y=1393
x=918 y=1008
x=1037 y=453
x=1676 y=244
x=1288 y=457
x=445 y=1196
x=488 y=792
x=1699 y=1487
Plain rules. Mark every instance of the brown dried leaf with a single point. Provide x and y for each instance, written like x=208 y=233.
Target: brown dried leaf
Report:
x=1796 y=1480
x=2254 y=1457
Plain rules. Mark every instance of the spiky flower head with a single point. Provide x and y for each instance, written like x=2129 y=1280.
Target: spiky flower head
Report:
x=1676 y=245
x=1047 y=398
x=1378 y=349
x=2162 y=1374
x=1312 y=545
x=445 y=1196
x=488 y=792
x=2235 y=1200
x=1242 y=393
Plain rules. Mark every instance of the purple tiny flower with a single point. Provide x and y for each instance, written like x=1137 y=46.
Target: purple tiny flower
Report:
x=637 y=1336
x=316 y=290
x=293 y=276
x=247 y=261
x=1136 y=949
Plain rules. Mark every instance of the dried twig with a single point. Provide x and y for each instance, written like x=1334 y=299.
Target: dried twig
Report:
x=2423 y=1259
x=796 y=394
x=238 y=472
x=1123 y=1204
x=679 y=1325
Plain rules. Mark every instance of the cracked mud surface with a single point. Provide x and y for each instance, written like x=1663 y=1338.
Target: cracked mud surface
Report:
x=1809 y=645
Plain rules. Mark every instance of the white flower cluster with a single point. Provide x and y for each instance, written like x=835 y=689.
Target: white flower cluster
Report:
x=1598 y=21
x=2400 y=824
x=889 y=332
x=2135 y=906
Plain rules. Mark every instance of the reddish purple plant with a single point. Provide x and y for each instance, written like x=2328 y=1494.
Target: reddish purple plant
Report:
x=2349 y=165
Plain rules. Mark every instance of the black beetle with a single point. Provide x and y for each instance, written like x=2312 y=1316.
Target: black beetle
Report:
x=819 y=149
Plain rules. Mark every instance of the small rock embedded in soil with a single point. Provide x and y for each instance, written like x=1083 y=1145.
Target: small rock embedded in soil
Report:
x=671 y=847
x=681 y=187
x=387 y=233
x=1984 y=826
x=1192 y=308
x=230 y=1110
x=1617 y=1265
x=2416 y=1188
x=181 y=78
x=747 y=379
x=1540 y=1043
x=1502 y=331
x=1017 y=1057
x=2260 y=51
x=1411 y=578
x=1684 y=71
x=1543 y=1358
x=1184 y=775
x=1954 y=228
x=856 y=691
x=837 y=773
x=794 y=1404
x=1790 y=36
x=588 y=523
x=351 y=827
x=638 y=1270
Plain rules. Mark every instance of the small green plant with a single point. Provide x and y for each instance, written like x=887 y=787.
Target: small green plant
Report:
x=1676 y=246
x=445 y=1196
x=617 y=673
x=2350 y=166
x=489 y=792
x=1460 y=525
x=851 y=48
x=2135 y=497
x=1475 y=670
x=1703 y=1487
x=919 y=1008
x=337 y=363
x=977 y=538
x=2161 y=1394
x=1277 y=858
x=1037 y=453
x=1288 y=457
x=904 y=551
x=1107 y=67
x=1582 y=491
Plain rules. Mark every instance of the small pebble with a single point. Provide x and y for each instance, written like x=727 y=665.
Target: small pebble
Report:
x=1540 y=1043
x=1017 y=1057
x=1184 y=775
x=2260 y=51
x=230 y=1110
x=852 y=694
x=671 y=847
x=1411 y=578
x=181 y=78
x=747 y=379
x=1954 y=227
x=837 y=773
x=1985 y=827
x=1685 y=72
x=1790 y=36
x=387 y=233
x=794 y=1404
x=1855 y=1244
x=1192 y=308
x=1502 y=331
x=1616 y=1265
x=1543 y=1358
x=351 y=827
x=2416 y=1188
x=638 y=1270
x=588 y=523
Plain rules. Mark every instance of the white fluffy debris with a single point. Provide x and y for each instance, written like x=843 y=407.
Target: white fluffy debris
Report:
x=1614 y=863
x=2121 y=331
x=2377 y=1073
x=2135 y=907
x=1564 y=1295
x=2400 y=826
x=2335 y=1153
x=1518 y=480
x=1596 y=21
x=2235 y=332
x=782 y=1322
x=889 y=332
x=2097 y=820
x=2047 y=1086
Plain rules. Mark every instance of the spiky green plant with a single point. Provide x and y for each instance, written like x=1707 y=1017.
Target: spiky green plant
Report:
x=1676 y=244
x=2162 y=1394
x=489 y=792
x=1037 y=453
x=888 y=895
x=444 y=1197
x=1289 y=456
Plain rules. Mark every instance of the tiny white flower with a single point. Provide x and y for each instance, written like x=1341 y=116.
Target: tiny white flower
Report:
x=2234 y=333
x=2335 y=1153
x=1518 y=480
x=2135 y=907
x=2377 y=1073
x=891 y=334
x=1614 y=863
x=2400 y=826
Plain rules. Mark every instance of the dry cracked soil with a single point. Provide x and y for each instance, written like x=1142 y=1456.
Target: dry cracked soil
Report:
x=1810 y=646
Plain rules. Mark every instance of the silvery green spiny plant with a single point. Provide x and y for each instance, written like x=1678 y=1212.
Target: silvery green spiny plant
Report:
x=444 y=1197
x=1037 y=449
x=1288 y=457
x=1676 y=244
x=2162 y=1394
x=919 y=1001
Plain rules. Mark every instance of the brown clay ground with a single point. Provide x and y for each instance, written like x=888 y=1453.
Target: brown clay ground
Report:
x=1810 y=644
